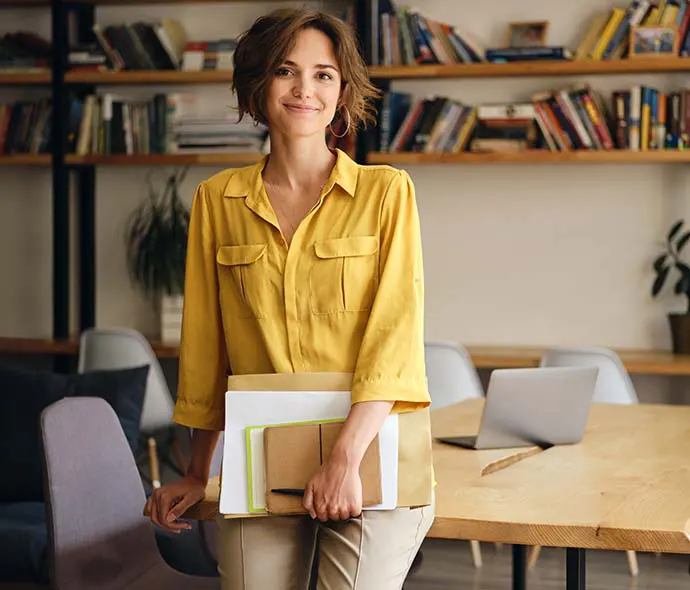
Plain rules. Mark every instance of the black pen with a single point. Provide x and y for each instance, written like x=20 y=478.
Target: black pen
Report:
x=288 y=491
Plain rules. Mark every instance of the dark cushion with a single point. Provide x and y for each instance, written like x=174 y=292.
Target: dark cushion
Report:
x=23 y=396
x=23 y=543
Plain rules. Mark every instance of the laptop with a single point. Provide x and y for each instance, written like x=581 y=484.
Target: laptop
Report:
x=543 y=407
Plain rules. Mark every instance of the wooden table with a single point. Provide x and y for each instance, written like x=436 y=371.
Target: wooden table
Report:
x=626 y=486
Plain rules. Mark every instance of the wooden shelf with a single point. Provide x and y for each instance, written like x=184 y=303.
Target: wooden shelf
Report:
x=533 y=157
x=149 y=77
x=165 y=159
x=24 y=78
x=145 y=2
x=25 y=160
x=534 y=68
x=484 y=357
x=68 y=346
x=23 y=3
x=484 y=70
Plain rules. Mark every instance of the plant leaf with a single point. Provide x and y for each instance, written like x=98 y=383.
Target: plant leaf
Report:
x=683 y=284
x=680 y=244
x=675 y=228
x=660 y=262
x=660 y=280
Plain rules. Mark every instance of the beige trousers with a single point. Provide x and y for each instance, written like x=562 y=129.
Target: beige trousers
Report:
x=371 y=552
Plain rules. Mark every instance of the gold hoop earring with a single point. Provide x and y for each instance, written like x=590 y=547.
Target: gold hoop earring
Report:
x=347 y=129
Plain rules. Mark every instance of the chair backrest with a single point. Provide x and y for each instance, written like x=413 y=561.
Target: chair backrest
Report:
x=451 y=375
x=208 y=528
x=95 y=499
x=613 y=385
x=121 y=348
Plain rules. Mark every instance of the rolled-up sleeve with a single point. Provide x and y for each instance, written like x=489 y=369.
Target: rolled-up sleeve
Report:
x=203 y=356
x=390 y=365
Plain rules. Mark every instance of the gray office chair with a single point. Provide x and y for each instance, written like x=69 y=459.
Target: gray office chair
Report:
x=451 y=378
x=120 y=348
x=450 y=373
x=613 y=386
x=99 y=537
x=208 y=528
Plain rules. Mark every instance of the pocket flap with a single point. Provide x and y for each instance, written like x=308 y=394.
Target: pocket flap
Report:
x=233 y=255
x=353 y=246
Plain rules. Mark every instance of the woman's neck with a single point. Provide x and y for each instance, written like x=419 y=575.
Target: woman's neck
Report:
x=298 y=163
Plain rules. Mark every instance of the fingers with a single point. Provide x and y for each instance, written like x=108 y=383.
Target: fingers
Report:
x=308 y=501
x=322 y=511
x=162 y=502
x=179 y=509
x=147 y=507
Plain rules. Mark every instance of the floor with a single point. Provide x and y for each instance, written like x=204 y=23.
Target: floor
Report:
x=447 y=565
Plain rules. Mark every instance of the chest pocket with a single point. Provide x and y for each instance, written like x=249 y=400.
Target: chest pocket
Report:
x=344 y=274
x=241 y=272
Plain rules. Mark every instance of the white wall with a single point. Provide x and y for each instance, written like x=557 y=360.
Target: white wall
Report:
x=514 y=254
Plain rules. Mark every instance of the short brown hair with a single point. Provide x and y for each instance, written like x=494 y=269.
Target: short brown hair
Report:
x=262 y=49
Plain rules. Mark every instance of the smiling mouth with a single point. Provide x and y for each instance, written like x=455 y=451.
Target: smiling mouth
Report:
x=300 y=108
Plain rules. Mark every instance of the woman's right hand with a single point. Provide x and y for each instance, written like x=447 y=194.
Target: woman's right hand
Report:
x=169 y=502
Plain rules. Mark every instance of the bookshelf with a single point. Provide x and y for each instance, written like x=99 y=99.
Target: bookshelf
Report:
x=524 y=69
x=165 y=160
x=533 y=157
x=25 y=160
x=24 y=78
x=149 y=77
x=70 y=171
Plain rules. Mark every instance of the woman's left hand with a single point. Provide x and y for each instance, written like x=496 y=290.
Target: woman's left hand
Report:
x=335 y=492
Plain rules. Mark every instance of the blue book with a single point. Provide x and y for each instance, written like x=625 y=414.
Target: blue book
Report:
x=509 y=54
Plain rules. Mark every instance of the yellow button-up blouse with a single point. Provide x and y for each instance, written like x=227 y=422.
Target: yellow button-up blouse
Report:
x=345 y=296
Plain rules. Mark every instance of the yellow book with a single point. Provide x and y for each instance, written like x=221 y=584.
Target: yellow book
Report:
x=652 y=17
x=594 y=30
x=465 y=132
x=659 y=13
x=669 y=15
x=617 y=15
x=645 y=122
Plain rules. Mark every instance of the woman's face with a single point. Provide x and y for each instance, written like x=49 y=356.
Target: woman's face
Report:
x=304 y=93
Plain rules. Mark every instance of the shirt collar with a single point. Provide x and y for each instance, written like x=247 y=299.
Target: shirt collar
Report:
x=247 y=181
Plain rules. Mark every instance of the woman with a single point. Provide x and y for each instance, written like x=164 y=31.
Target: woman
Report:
x=306 y=261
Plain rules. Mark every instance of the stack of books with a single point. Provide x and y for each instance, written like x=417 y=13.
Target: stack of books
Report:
x=564 y=119
x=24 y=51
x=165 y=124
x=608 y=32
x=645 y=119
x=141 y=45
x=25 y=127
x=403 y=36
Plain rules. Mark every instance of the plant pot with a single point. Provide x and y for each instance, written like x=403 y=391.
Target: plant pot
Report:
x=171 y=318
x=680 y=332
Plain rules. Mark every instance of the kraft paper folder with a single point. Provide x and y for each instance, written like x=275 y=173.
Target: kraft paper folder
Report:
x=294 y=453
x=414 y=469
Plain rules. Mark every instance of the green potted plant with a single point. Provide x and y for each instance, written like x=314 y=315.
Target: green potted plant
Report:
x=156 y=240
x=670 y=259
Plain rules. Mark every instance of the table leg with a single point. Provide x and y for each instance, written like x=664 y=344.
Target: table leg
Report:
x=519 y=567
x=575 y=569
